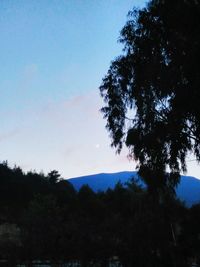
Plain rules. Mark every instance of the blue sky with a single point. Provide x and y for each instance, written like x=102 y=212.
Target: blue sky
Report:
x=53 y=57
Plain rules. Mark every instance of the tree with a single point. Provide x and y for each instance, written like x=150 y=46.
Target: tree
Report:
x=53 y=177
x=152 y=90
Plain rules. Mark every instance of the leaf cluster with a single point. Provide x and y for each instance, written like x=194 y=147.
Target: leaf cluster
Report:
x=152 y=90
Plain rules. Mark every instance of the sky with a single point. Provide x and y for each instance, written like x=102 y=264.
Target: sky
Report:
x=54 y=55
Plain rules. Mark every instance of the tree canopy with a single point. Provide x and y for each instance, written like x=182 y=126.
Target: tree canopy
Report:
x=152 y=90
x=45 y=222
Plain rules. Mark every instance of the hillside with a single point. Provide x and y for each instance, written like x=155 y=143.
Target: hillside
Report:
x=188 y=190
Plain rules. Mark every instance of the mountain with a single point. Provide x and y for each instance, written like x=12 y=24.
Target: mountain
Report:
x=102 y=181
x=188 y=190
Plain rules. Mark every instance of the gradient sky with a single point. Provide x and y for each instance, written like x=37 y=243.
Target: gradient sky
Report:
x=54 y=54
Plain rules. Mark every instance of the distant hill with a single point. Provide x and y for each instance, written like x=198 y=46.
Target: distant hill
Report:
x=188 y=190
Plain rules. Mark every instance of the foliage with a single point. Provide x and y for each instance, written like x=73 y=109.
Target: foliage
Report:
x=41 y=220
x=152 y=90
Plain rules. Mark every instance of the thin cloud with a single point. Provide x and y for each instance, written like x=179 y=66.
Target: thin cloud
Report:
x=8 y=135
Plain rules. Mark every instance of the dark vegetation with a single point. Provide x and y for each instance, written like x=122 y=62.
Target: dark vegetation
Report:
x=152 y=105
x=43 y=218
x=152 y=90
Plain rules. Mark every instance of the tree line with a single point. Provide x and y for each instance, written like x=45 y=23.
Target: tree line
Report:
x=42 y=217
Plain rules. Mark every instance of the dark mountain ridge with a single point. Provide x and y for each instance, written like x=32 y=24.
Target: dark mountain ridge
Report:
x=188 y=190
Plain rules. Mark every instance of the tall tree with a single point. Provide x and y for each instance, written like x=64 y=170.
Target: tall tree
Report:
x=152 y=90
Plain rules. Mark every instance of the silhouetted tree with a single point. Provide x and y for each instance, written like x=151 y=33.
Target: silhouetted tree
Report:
x=40 y=220
x=53 y=177
x=152 y=90
x=42 y=230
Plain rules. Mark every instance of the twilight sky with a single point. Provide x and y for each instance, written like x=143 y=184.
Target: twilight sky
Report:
x=54 y=55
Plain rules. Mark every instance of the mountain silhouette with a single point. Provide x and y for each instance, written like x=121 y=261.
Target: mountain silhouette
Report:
x=188 y=190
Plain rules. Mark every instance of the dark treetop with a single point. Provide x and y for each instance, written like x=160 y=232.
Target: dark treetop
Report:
x=151 y=91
